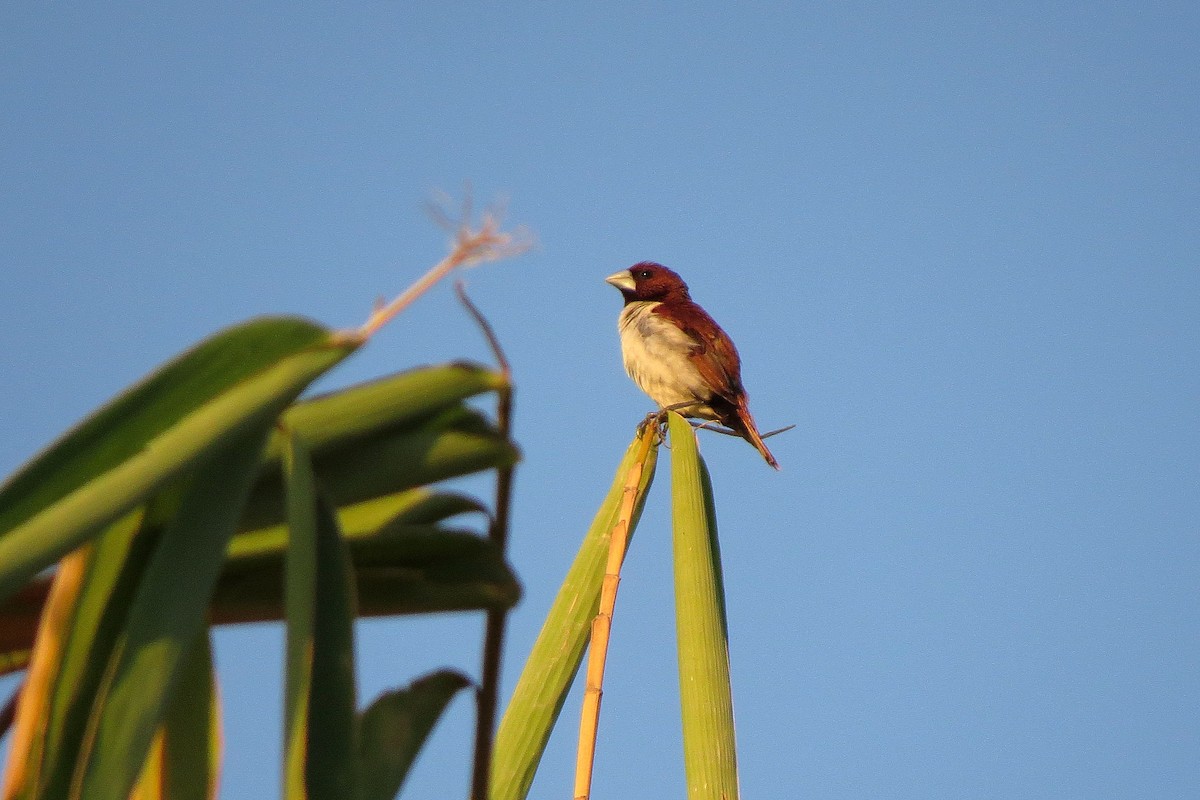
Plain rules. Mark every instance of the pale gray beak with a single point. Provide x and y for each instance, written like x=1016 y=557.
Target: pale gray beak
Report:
x=623 y=280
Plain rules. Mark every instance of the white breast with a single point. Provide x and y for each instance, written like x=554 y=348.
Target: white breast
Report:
x=655 y=354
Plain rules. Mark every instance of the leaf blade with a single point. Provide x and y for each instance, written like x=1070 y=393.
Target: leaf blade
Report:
x=332 y=765
x=191 y=730
x=165 y=618
x=145 y=409
x=403 y=400
x=93 y=487
x=554 y=659
x=459 y=442
x=411 y=569
x=394 y=727
x=705 y=693
x=299 y=601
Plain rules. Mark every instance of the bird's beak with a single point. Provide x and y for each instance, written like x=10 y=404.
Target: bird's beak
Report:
x=623 y=280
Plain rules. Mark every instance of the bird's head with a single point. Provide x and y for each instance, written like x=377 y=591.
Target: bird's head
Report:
x=649 y=281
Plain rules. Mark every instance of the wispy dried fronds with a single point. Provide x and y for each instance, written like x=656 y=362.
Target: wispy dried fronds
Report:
x=471 y=245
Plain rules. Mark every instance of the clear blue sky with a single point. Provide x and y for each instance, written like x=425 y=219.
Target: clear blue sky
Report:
x=956 y=243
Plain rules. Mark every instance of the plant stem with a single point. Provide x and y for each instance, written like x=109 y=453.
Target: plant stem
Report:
x=470 y=246
x=487 y=696
x=589 y=719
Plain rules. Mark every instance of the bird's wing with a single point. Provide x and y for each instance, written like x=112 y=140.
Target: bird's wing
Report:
x=713 y=352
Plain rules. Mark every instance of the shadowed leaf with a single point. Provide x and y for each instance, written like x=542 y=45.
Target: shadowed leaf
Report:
x=332 y=766
x=393 y=728
x=456 y=442
x=165 y=618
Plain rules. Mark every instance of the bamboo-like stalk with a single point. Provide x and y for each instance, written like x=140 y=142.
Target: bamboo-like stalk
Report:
x=589 y=718
x=25 y=758
x=555 y=658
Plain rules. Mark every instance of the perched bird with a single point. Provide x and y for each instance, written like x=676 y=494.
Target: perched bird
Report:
x=676 y=353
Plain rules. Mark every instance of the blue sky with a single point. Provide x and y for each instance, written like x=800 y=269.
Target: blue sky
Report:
x=956 y=245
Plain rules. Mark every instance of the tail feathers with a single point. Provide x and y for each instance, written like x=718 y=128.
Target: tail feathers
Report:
x=743 y=423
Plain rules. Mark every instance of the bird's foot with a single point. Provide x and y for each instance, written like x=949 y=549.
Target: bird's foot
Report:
x=659 y=420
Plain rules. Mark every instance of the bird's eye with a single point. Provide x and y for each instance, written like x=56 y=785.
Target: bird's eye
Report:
x=644 y=274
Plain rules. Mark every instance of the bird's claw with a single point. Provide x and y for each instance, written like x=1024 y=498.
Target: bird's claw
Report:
x=659 y=420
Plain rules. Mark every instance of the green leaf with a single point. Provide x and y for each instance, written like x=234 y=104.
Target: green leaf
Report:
x=185 y=753
x=394 y=727
x=115 y=565
x=320 y=723
x=188 y=409
x=705 y=692
x=408 y=570
x=431 y=507
x=166 y=617
x=405 y=400
x=456 y=442
x=332 y=765
x=555 y=657
x=416 y=567
x=300 y=598
x=147 y=409
x=192 y=742
x=419 y=506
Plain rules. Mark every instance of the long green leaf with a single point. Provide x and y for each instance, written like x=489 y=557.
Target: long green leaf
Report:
x=411 y=569
x=183 y=760
x=457 y=442
x=382 y=410
x=419 y=506
x=191 y=741
x=332 y=748
x=190 y=408
x=555 y=657
x=401 y=569
x=404 y=400
x=394 y=727
x=300 y=598
x=167 y=615
x=117 y=431
x=115 y=566
x=705 y=693
x=319 y=746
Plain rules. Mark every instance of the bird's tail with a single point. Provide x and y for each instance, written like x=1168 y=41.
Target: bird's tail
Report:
x=744 y=424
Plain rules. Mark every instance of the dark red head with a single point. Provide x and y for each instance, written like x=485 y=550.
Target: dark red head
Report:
x=649 y=281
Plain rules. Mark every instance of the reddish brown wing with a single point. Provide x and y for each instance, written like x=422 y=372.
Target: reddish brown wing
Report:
x=713 y=353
